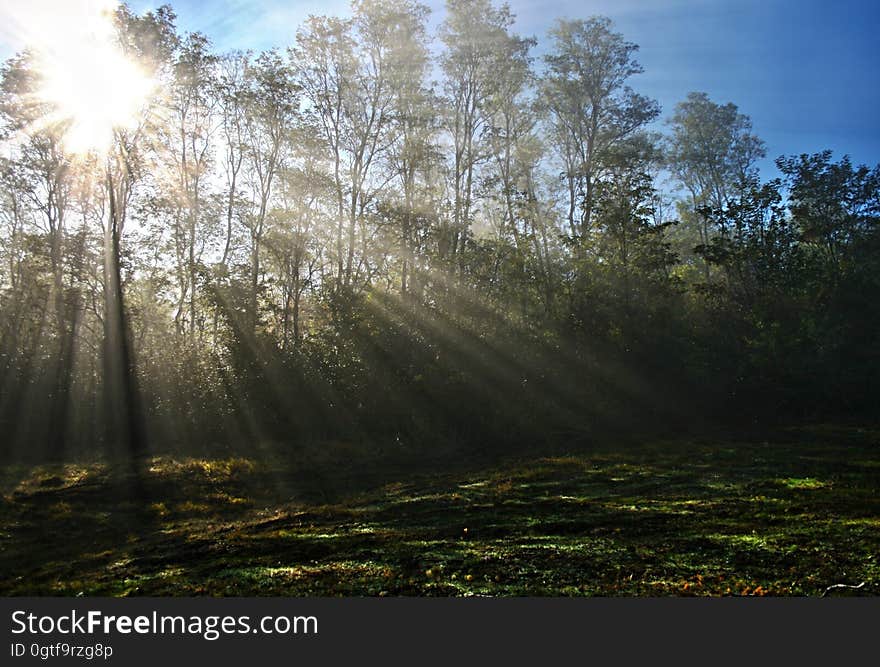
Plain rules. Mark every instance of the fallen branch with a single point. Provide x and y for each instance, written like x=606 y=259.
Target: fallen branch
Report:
x=832 y=587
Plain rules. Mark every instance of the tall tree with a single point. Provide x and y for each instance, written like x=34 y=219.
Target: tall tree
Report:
x=516 y=151
x=712 y=153
x=188 y=138
x=414 y=150
x=323 y=61
x=148 y=40
x=271 y=113
x=475 y=34
x=592 y=108
x=37 y=182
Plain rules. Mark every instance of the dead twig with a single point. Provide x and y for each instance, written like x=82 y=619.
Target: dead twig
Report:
x=833 y=586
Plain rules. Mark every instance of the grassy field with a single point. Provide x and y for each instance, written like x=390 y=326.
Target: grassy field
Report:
x=791 y=516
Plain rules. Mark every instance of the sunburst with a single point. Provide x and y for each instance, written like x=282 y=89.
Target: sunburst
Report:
x=90 y=87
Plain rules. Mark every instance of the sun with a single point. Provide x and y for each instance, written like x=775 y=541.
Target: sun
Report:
x=93 y=92
x=91 y=86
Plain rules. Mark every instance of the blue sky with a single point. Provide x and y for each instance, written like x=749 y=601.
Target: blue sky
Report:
x=806 y=71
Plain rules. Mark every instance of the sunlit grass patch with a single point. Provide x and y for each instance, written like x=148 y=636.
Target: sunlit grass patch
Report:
x=686 y=506
x=26 y=480
x=573 y=461
x=120 y=564
x=427 y=498
x=765 y=500
x=136 y=585
x=230 y=499
x=62 y=509
x=631 y=507
x=577 y=500
x=723 y=486
x=214 y=469
x=333 y=578
x=745 y=541
x=863 y=522
x=314 y=536
x=159 y=509
x=803 y=483
x=189 y=506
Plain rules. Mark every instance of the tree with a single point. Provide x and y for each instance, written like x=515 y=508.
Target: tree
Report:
x=272 y=110
x=516 y=151
x=38 y=181
x=477 y=42
x=631 y=245
x=592 y=108
x=414 y=152
x=232 y=94
x=836 y=205
x=324 y=64
x=149 y=40
x=187 y=158
x=712 y=153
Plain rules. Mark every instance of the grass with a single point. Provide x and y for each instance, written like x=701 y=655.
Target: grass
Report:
x=787 y=517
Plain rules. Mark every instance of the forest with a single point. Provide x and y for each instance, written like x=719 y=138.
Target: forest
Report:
x=452 y=265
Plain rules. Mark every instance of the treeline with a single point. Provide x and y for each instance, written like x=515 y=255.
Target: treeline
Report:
x=322 y=243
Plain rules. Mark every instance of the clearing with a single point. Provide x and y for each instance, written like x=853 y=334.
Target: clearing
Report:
x=791 y=516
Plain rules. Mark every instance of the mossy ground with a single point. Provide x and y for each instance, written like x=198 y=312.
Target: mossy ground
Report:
x=790 y=516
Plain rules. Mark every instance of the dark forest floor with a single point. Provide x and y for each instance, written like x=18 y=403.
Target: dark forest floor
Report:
x=791 y=516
